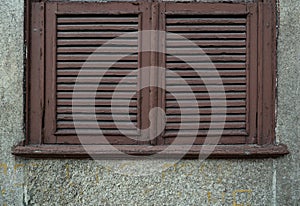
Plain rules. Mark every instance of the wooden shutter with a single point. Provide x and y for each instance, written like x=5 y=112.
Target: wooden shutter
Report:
x=239 y=38
x=228 y=35
x=77 y=57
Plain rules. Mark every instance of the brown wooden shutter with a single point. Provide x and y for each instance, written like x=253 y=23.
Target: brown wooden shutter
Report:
x=228 y=35
x=75 y=31
x=239 y=38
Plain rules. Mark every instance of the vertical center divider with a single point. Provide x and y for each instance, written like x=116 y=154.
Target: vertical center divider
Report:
x=154 y=71
x=157 y=76
x=144 y=74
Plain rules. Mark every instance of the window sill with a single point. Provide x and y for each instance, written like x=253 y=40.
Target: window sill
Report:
x=104 y=152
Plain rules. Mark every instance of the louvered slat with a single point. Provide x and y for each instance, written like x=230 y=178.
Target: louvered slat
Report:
x=78 y=40
x=223 y=39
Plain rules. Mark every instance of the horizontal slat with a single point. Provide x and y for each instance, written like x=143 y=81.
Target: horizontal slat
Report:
x=200 y=140
x=205 y=118
x=94 y=139
x=220 y=50
x=201 y=88
x=191 y=133
x=207 y=103
x=98 y=102
x=205 y=80
x=102 y=49
x=237 y=35
x=206 y=65
x=79 y=131
x=225 y=9
x=95 y=72
x=92 y=27
x=205 y=58
x=92 y=124
x=69 y=42
x=182 y=111
x=62 y=65
x=204 y=20
x=193 y=126
x=86 y=87
x=97 y=110
x=192 y=96
x=95 y=19
x=92 y=8
x=103 y=117
x=201 y=28
x=104 y=95
x=94 y=34
x=205 y=73
x=94 y=57
x=81 y=79
x=216 y=43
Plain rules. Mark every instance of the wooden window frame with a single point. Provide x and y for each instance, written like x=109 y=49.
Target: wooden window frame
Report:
x=265 y=107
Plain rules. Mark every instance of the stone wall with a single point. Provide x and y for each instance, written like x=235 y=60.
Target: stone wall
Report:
x=86 y=182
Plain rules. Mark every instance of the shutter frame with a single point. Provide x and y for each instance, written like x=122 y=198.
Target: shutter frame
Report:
x=34 y=35
x=267 y=42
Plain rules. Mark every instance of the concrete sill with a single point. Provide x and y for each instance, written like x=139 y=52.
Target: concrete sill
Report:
x=146 y=152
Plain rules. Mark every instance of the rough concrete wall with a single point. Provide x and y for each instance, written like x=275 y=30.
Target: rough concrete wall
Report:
x=83 y=182
x=287 y=170
x=11 y=100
